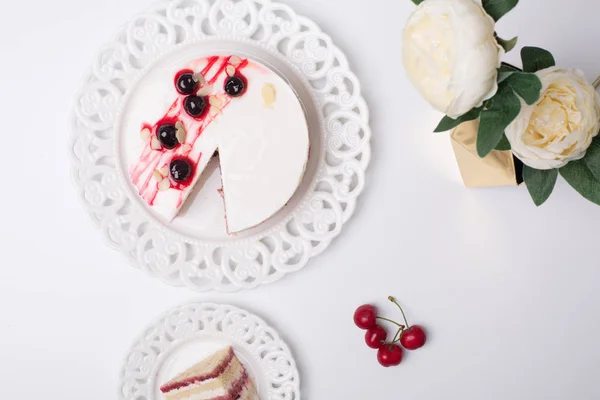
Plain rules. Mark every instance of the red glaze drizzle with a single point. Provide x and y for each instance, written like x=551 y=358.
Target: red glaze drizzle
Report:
x=150 y=159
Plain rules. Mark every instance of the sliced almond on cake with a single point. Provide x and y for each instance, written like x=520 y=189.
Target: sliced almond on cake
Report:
x=157 y=175
x=164 y=185
x=235 y=61
x=155 y=144
x=215 y=101
x=198 y=77
x=205 y=90
x=230 y=70
x=180 y=135
x=145 y=134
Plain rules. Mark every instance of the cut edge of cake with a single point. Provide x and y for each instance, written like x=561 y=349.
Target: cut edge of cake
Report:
x=221 y=376
x=195 y=374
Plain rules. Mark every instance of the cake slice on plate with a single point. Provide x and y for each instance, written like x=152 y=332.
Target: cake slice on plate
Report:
x=221 y=376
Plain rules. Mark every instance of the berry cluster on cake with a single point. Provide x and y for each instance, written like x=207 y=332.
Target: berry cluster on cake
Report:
x=221 y=376
x=249 y=115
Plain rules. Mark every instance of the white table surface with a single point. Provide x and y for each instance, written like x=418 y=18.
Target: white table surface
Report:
x=509 y=293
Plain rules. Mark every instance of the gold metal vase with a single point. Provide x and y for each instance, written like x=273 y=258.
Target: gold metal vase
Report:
x=499 y=168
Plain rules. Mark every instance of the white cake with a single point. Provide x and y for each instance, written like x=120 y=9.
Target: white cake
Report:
x=235 y=106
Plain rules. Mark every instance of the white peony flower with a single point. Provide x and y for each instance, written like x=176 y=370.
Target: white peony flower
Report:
x=451 y=55
x=560 y=127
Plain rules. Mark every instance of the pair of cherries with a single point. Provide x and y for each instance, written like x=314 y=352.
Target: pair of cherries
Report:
x=389 y=354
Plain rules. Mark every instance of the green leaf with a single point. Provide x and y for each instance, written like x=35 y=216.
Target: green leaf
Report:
x=505 y=71
x=448 y=123
x=528 y=86
x=535 y=59
x=508 y=45
x=504 y=75
x=498 y=8
x=592 y=158
x=503 y=144
x=581 y=178
x=508 y=67
x=493 y=121
x=417 y=2
x=540 y=183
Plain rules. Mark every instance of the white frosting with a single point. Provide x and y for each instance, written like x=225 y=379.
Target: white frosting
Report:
x=263 y=144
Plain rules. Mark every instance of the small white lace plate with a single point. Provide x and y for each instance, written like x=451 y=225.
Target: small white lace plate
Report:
x=194 y=250
x=186 y=335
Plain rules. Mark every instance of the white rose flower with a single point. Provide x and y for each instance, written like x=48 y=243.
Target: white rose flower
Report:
x=451 y=55
x=560 y=127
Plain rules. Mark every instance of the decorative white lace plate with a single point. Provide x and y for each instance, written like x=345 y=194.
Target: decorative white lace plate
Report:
x=186 y=335
x=194 y=250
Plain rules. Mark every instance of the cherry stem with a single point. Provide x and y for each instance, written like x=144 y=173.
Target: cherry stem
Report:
x=396 y=335
x=396 y=338
x=393 y=322
x=393 y=300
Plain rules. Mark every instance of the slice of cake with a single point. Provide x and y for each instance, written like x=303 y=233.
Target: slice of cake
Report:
x=221 y=376
x=239 y=108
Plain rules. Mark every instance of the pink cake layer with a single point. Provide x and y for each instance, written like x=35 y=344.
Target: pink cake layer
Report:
x=248 y=392
x=236 y=388
x=200 y=378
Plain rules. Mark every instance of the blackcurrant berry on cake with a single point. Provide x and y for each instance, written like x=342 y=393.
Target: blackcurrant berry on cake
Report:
x=180 y=170
x=167 y=136
x=235 y=86
x=195 y=105
x=186 y=83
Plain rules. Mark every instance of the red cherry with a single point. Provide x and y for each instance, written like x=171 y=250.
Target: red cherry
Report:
x=365 y=316
x=413 y=338
x=389 y=355
x=375 y=337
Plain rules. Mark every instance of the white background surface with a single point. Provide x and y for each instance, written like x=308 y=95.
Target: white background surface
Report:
x=509 y=293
